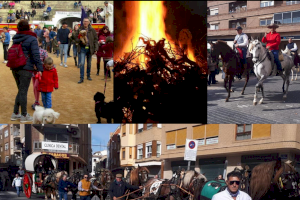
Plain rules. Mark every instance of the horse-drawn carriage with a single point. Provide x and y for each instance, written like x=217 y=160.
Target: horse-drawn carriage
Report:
x=33 y=180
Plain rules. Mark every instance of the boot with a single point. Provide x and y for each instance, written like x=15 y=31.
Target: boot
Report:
x=75 y=61
x=98 y=69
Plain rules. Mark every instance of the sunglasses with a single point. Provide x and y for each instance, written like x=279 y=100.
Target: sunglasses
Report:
x=85 y=177
x=236 y=182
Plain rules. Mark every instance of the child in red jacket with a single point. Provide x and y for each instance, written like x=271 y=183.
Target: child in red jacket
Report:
x=48 y=81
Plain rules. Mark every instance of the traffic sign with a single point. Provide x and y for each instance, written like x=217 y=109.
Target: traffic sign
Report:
x=191 y=147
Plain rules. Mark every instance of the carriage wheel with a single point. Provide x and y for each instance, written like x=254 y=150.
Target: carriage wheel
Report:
x=27 y=185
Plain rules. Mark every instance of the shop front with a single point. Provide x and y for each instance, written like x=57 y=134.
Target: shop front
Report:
x=212 y=167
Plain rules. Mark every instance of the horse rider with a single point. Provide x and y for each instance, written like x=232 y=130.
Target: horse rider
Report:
x=119 y=187
x=39 y=169
x=85 y=187
x=21 y=171
x=232 y=191
x=294 y=50
x=240 y=44
x=273 y=40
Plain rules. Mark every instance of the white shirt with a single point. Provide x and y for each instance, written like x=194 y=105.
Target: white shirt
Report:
x=17 y=182
x=224 y=195
x=245 y=37
x=293 y=49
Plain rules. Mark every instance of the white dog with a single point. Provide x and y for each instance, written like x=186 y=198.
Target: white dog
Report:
x=43 y=115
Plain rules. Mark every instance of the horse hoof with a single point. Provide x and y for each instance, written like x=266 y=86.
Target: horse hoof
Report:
x=231 y=90
x=226 y=100
x=284 y=97
x=242 y=93
x=254 y=103
x=260 y=102
x=292 y=79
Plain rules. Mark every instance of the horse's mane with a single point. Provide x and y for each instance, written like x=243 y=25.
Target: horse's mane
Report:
x=261 y=178
x=225 y=45
x=188 y=178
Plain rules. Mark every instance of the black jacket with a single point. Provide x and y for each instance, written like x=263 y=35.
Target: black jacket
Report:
x=117 y=190
x=62 y=35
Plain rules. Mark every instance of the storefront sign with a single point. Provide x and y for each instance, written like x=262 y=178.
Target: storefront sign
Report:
x=212 y=140
x=201 y=142
x=191 y=147
x=58 y=155
x=173 y=146
x=55 y=146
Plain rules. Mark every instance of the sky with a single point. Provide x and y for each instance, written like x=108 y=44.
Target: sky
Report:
x=100 y=135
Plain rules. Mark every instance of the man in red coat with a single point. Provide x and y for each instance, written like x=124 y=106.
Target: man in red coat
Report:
x=48 y=81
x=273 y=40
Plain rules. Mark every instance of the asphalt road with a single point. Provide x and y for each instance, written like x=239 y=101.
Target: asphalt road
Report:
x=240 y=108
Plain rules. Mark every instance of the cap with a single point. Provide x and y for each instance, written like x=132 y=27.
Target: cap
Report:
x=119 y=176
x=239 y=28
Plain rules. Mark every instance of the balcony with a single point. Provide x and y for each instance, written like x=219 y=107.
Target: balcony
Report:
x=235 y=23
x=238 y=7
x=73 y=148
x=16 y=133
x=17 y=149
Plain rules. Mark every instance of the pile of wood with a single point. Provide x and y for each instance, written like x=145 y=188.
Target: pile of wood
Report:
x=159 y=88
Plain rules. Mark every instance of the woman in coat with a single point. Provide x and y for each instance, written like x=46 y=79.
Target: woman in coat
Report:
x=23 y=74
x=103 y=33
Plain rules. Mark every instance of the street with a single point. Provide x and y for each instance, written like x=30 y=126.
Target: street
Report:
x=240 y=108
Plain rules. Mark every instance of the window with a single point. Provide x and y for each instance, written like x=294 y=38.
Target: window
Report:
x=149 y=126
x=140 y=152
x=6 y=159
x=1 y=149
x=265 y=22
x=54 y=137
x=292 y=2
x=123 y=153
x=6 y=133
x=278 y=18
x=123 y=134
x=148 y=150
x=158 y=151
x=37 y=145
x=140 y=128
x=214 y=26
x=287 y=18
x=243 y=131
x=6 y=146
x=1 y=136
x=12 y=144
x=266 y=3
x=296 y=17
x=214 y=11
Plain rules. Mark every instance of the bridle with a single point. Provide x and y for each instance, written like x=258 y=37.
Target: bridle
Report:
x=264 y=57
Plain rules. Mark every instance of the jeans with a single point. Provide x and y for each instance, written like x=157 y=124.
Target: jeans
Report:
x=244 y=60
x=85 y=197
x=57 y=52
x=75 y=53
x=212 y=78
x=49 y=44
x=63 y=48
x=63 y=195
x=276 y=59
x=85 y=52
x=18 y=190
x=5 y=49
x=22 y=78
x=46 y=99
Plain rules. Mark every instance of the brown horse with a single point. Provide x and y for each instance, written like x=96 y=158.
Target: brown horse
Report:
x=231 y=64
x=274 y=180
x=138 y=177
x=103 y=181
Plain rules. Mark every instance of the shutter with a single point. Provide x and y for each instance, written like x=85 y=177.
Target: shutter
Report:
x=145 y=127
x=154 y=148
x=181 y=137
x=261 y=130
x=170 y=137
x=136 y=128
x=199 y=132
x=212 y=130
x=130 y=128
x=135 y=150
x=130 y=153
x=144 y=150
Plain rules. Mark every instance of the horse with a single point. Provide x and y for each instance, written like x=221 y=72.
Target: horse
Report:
x=245 y=181
x=296 y=61
x=5 y=179
x=75 y=178
x=274 y=180
x=263 y=67
x=103 y=181
x=138 y=177
x=231 y=64
x=49 y=186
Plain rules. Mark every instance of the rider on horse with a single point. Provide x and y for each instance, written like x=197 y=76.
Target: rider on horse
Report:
x=273 y=40
x=240 y=44
x=294 y=50
x=39 y=169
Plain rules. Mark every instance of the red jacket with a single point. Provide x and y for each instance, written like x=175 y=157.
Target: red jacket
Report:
x=272 y=40
x=108 y=50
x=48 y=81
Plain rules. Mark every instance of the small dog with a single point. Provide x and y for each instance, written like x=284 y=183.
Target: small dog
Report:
x=2 y=37
x=43 y=115
x=103 y=109
x=82 y=36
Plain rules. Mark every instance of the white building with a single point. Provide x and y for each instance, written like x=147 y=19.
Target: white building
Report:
x=97 y=157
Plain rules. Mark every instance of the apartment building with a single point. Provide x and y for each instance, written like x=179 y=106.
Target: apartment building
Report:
x=113 y=152
x=141 y=146
x=99 y=160
x=236 y=145
x=254 y=17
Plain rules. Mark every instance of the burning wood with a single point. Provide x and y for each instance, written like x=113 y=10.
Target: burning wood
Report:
x=150 y=78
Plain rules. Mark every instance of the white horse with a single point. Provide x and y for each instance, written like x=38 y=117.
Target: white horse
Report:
x=263 y=68
x=297 y=70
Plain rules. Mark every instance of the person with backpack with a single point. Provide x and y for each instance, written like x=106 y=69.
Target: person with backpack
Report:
x=24 y=42
x=35 y=74
x=6 y=43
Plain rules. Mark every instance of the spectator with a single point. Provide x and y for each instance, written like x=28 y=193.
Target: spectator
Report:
x=79 y=3
x=63 y=187
x=51 y=37
x=84 y=188
x=108 y=49
x=43 y=37
x=11 y=4
x=17 y=182
x=5 y=5
x=85 y=9
x=13 y=17
x=10 y=11
x=39 y=5
x=75 y=45
x=75 y=4
x=43 y=4
x=95 y=17
x=87 y=50
x=108 y=12
x=89 y=12
x=28 y=15
x=8 y=18
x=47 y=40
x=46 y=15
x=33 y=5
x=6 y=43
x=69 y=44
x=17 y=14
x=63 y=40
x=33 y=12
x=38 y=31
x=23 y=74
x=1 y=5
x=21 y=12
x=50 y=41
x=55 y=46
x=0 y=19
x=102 y=34
x=49 y=9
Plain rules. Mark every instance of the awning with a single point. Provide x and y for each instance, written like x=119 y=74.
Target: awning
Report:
x=293 y=37
x=147 y=164
x=78 y=158
x=32 y=159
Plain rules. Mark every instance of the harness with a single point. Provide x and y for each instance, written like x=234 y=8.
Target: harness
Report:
x=265 y=56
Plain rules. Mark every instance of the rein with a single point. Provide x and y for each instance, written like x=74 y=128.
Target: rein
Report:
x=265 y=56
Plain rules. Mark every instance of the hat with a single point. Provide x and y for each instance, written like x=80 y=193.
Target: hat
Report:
x=273 y=26
x=119 y=176
x=239 y=28
x=105 y=2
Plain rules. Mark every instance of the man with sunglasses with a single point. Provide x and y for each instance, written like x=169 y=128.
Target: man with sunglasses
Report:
x=232 y=191
x=85 y=187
